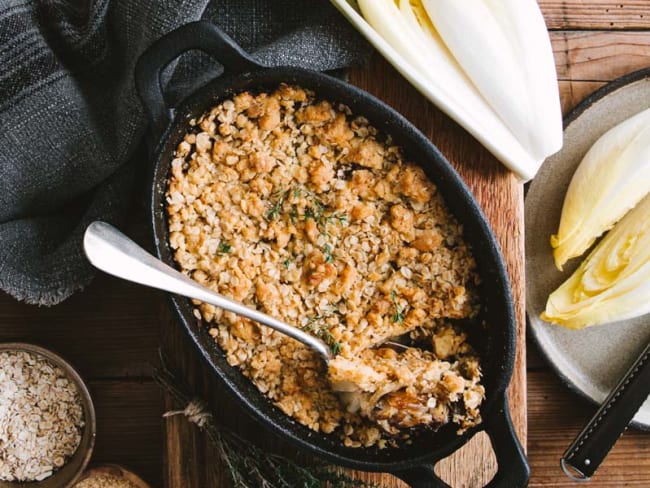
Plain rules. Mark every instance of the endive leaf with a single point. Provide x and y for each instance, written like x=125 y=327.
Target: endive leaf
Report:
x=416 y=41
x=504 y=48
x=613 y=283
x=611 y=178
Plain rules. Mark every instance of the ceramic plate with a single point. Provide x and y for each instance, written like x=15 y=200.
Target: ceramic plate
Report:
x=592 y=360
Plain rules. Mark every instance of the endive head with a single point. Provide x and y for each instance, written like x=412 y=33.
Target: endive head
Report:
x=612 y=178
x=613 y=283
x=488 y=64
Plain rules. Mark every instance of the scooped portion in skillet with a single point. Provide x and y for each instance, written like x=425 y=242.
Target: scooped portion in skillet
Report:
x=299 y=208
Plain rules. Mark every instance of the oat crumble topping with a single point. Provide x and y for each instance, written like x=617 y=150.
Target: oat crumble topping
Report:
x=299 y=208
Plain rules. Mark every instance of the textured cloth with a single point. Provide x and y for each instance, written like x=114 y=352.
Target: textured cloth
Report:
x=71 y=123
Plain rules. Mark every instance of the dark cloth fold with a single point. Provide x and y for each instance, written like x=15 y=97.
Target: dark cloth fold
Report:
x=71 y=123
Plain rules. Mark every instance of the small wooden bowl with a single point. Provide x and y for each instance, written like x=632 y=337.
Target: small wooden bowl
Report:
x=68 y=474
x=116 y=471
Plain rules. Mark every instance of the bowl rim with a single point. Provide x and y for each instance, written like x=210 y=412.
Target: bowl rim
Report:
x=90 y=420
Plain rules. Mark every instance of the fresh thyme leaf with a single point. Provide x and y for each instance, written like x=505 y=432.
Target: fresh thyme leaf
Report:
x=398 y=315
x=340 y=218
x=309 y=214
x=224 y=248
x=320 y=208
x=328 y=253
x=293 y=213
x=274 y=211
x=286 y=263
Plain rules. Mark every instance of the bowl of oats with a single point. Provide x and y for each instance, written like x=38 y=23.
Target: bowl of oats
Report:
x=47 y=419
x=308 y=199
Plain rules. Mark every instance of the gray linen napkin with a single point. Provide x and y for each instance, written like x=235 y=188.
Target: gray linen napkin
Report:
x=71 y=123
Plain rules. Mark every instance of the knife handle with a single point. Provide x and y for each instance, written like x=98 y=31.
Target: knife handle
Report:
x=582 y=458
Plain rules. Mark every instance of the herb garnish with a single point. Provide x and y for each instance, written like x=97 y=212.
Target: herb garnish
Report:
x=315 y=209
x=274 y=211
x=327 y=250
x=340 y=218
x=398 y=316
x=316 y=326
x=224 y=248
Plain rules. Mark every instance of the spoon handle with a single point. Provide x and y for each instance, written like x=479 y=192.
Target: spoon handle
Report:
x=589 y=449
x=114 y=253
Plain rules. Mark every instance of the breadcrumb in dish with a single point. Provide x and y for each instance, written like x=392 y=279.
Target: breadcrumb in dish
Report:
x=299 y=208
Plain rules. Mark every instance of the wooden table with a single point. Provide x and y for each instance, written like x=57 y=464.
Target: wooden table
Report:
x=111 y=332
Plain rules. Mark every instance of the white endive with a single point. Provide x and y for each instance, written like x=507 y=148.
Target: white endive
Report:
x=613 y=283
x=504 y=48
x=523 y=136
x=612 y=178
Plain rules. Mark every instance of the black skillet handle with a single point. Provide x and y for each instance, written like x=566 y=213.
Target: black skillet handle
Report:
x=513 y=470
x=201 y=35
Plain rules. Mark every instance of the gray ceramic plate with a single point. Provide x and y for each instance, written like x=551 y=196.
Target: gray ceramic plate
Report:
x=592 y=360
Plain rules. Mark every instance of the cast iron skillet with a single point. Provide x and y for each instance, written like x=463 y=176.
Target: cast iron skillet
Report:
x=413 y=463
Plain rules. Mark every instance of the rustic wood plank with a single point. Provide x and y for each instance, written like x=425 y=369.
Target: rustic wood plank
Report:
x=129 y=429
x=111 y=318
x=599 y=55
x=573 y=92
x=555 y=417
x=184 y=444
x=534 y=358
x=596 y=14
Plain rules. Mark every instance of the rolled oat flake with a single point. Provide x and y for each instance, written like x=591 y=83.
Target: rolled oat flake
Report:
x=41 y=417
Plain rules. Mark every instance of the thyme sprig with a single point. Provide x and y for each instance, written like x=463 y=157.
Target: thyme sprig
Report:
x=249 y=466
x=316 y=209
x=316 y=325
x=276 y=208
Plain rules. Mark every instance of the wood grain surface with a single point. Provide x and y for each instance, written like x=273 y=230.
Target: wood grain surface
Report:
x=110 y=336
x=112 y=331
x=595 y=14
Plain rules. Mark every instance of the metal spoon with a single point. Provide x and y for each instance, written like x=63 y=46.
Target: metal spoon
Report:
x=114 y=253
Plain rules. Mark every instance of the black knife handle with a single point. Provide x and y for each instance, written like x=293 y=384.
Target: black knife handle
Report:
x=583 y=457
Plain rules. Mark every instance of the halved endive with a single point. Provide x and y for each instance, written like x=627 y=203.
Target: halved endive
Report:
x=613 y=282
x=612 y=178
x=489 y=65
